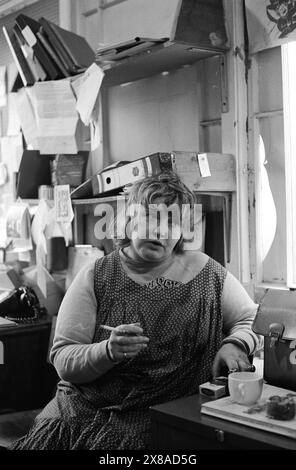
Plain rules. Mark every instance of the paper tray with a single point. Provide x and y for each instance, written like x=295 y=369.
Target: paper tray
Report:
x=224 y=408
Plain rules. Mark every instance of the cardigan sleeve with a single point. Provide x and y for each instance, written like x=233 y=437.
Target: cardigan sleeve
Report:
x=76 y=358
x=238 y=311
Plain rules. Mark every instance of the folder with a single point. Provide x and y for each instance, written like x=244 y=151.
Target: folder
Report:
x=36 y=68
x=17 y=84
x=57 y=46
x=110 y=181
x=19 y=58
x=76 y=46
x=83 y=191
x=29 y=29
x=44 y=40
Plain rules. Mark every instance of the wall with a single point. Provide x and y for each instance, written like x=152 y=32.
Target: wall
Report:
x=166 y=112
x=160 y=113
x=153 y=18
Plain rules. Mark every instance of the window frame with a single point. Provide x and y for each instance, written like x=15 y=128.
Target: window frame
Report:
x=288 y=62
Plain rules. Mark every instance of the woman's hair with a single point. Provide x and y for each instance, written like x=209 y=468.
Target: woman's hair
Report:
x=166 y=188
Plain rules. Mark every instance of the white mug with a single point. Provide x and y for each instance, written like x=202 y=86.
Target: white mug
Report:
x=245 y=388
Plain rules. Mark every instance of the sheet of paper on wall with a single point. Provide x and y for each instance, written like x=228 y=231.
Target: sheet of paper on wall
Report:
x=270 y=23
x=14 y=124
x=44 y=225
x=90 y=84
x=25 y=256
x=63 y=207
x=76 y=83
x=11 y=152
x=57 y=118
x=58 y=229
x=43 y=218
x=203 y=165
x=41 y=270
x=95 y=135
x=2 y=224
x=27 y=117
x=67 y=232
x=3 y=87
x=39 y=223
x=58 y=136
x=95 y=124
x=18 y=227
x=7 y=199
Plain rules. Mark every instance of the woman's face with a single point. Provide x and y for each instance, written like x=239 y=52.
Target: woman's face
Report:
x=155 y=232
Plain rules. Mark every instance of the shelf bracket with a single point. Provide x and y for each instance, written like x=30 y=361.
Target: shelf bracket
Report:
x=224 y=84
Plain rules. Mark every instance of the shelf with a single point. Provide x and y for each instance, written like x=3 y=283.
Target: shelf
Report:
x=96 y=200
x=30 y=202
x=159 y=58
x=226 y=207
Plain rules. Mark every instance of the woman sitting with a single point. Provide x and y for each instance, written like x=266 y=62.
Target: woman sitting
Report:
x=178 y=317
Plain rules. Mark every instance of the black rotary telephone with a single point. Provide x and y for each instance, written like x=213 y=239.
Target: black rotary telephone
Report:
x=22 y=306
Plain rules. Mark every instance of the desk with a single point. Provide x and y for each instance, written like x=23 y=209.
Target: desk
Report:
x=179 y=425
x=27 y=380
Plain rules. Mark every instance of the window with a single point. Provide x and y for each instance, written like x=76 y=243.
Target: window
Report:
x=273 y=186
x=289 y=104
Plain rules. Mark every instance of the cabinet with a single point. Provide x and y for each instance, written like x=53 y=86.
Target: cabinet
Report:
x=27 y=380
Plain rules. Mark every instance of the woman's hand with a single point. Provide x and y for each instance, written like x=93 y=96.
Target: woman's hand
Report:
x=126 y=341
x=231 y=356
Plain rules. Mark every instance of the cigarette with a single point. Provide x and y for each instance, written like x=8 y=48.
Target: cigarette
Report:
x=123 y=332
x=107 y=327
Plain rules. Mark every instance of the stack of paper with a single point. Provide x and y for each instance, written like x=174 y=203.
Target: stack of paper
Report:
x=57 y=119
